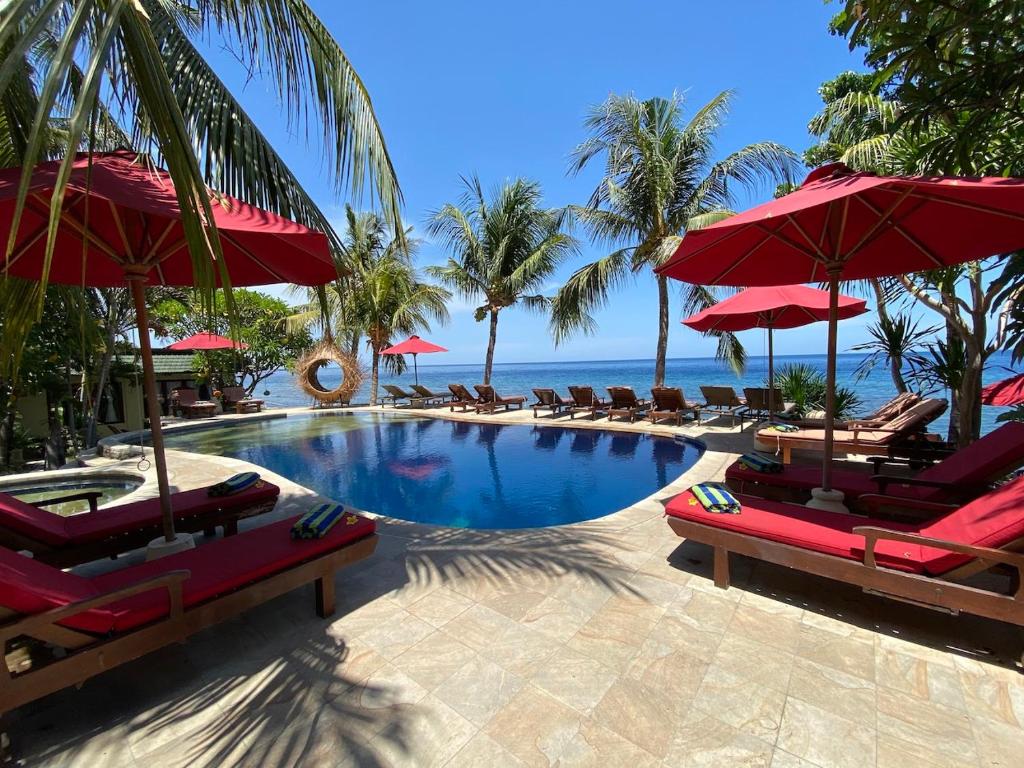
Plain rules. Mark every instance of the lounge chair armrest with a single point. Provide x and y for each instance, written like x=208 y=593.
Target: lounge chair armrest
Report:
x=872 y=535
x=171 y=581
x=879 y=500
x=883 y=481
x=878 y=461
x=91 y=496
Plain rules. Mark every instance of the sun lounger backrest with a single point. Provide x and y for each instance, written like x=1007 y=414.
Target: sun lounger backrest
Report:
x=985 y=460
x=419 y=389
x=395 y=391
x=544 y=396
x=720 y=397
x=917 y=417
x=184 y=396
x=234 y=394
x=993 y=520
x=582 y=395
x=461 y=393
x=622 y=397
x=35 y=523
x=486 y=392
x=668 y=398
x=895 y=407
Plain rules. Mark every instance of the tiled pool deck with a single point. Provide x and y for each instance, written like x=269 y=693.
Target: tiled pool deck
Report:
x=602 y=643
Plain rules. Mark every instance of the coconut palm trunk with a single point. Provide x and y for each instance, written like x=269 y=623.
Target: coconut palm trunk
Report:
x=492 y=340
x=374 y=374
x=662 y=351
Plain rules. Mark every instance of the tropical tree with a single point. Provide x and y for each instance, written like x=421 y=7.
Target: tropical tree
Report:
x=660 y=180
x=504 y=250
x=75 y=73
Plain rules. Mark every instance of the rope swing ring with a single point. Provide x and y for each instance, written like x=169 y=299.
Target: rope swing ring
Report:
x=308 y=366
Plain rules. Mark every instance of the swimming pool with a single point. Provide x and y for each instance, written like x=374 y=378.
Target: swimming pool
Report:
x=111 y=486
x=457 y=474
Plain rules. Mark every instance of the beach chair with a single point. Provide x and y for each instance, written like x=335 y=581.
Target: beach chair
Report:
x=490 y=400
x=461 y=397
x=873 y=441
x=396 y=393
x=888 y=411
x=924 y=563
x=585 y=401
x=236 y=399
x=429 y=395
x=70 y=628
x=625 y=403
x=548 y=398
x=66 y=541
x=184 y=402
x=963 y=476
x=758 y=405
x=720 y=401
x=669 y=403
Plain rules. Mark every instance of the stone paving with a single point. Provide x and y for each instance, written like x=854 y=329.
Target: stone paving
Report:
x=601 y=643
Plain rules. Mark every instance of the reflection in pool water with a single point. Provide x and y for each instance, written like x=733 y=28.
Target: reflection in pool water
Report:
x=451 y=473
x=112 y=488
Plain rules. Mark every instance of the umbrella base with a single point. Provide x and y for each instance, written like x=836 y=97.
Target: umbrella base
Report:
x=160 y=547
x=827 y=501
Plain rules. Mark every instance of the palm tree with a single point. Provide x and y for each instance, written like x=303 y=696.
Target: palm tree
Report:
x=660 y=180
x=78 y=75
x=505 y=249
x=391 y=301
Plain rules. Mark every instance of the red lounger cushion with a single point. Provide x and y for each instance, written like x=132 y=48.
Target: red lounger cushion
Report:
x=33 y=522
x=804 y=477
x=830 y=533
x=127 y=518
x=28 y=586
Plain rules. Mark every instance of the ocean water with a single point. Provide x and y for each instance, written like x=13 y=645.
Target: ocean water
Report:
x=281 y=390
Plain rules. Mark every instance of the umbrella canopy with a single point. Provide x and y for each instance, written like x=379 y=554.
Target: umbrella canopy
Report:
x=414 y=345
x=840 y=224
x=771 y=307
x=1006 y=392
x=120 y=225
x=206 y=341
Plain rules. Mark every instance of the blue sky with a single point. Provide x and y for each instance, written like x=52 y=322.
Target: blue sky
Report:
x=501 y=90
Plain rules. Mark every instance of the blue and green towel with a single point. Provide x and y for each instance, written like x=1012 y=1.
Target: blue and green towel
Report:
x=235 y=484
x=715 y=497
x=760 y=463
x=319 y=520
x=784 y=427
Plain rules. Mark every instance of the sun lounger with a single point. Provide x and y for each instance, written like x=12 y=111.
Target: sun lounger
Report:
x=396 y=393
x=890 y=410
x=585 y=401
x=922 y=563
x=66 y=541
x=461 y=397
x=548 y=398
x=721 y=401
x=874 y=441
x=185 y=403
x=625 y=403
x=490 y=400
x=758 y=405
x=669 y=403
x=429 y=395
x=235 y=398
x=959 y=478
x=73 y=628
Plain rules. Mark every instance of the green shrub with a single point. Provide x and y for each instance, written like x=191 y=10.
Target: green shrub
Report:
x=804 y=385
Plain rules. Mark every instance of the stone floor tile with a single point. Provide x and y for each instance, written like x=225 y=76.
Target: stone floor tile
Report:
x=636 y=713
x=556 y=618
x=993 y=698
x=999 y=745
x=434 y=659
x=482 y=751
x=440 y=606
x=520 y=650
x=594 y=746
x=834 y=691
x=574 y=679
x=478 y=626
x=534 y=727
x=893 y=753
x=922 y=679
x=929 y=731
x=754 y=661
x=847 y=654
x=516 y=604
x=746 y=705
x=824 y=738
x=614 y=634
x=654 y=589
x=396 y=634
x=479 y=690
x=430 y=734
x=703 y=741
x=783 y=759
x=669 y=672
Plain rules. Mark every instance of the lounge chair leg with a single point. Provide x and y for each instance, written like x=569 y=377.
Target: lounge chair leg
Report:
x=209 y=531
x=721 y=568
x=230 y=528
x=325 y=596
x=787 y=455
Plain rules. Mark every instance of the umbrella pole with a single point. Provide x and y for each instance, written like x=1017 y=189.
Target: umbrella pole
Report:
x=415 y=370
x=830 y=380
x=771 y=374
x=136 y=281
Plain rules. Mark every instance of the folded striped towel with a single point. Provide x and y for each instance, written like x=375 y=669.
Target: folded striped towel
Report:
x=319 y=520
x=784 y=427
x=235 y=484
x=760 y=463
x=715 y=497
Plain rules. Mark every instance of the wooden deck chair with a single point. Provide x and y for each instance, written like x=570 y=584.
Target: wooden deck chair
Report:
x=490 y=400
x=758 y=404
x=549 y=399
x=886 y=412
x=58 y=629
x=720 y=401
x=625 y=403
x=431 y=396
x=584 y=400
x=461 y=398
x=396 y=393
x=670 y=403
x=186 y=403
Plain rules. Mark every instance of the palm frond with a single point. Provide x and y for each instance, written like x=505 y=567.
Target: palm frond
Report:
x=586 y=290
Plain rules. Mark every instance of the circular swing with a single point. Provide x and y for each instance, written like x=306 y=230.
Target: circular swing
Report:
x=307 y=367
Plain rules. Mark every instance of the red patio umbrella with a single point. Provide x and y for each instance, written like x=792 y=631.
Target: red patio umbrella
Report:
x=206 y=341
x=414 y=345
x=121 y=226
x=1006 y=392
x=771 y=307
x=840 y=224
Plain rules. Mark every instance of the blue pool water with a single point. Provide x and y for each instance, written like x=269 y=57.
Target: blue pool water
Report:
x=454 y=473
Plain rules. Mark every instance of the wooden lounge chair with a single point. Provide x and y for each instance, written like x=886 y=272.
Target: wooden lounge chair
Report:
x=461 y=397
x=548 y=398
x=59 y=629
x=67 y=541
x=625 y=403
x=490 y=400
x=236 y=399
x=874 y=441
x=429 y=395
x=758 y=405
x=669 y=403
x=585 y=401
x=721 y=401
x=923 y=564
x=396 y=393
x=184 y=402
x=959 y=478
x=887 y=412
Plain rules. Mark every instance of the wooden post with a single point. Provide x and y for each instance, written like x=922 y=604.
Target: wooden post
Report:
x=771 y=374
x=136 y=281
x=830 y=377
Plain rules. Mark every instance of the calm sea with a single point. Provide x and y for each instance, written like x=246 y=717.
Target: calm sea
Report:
x=689 y=373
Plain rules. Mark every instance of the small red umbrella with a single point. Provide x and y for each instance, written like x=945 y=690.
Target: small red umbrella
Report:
x=414 y=345
x=840 y=224
x=1006 y=392
x=771 y=307
x=206 y=341
x=120 y=225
